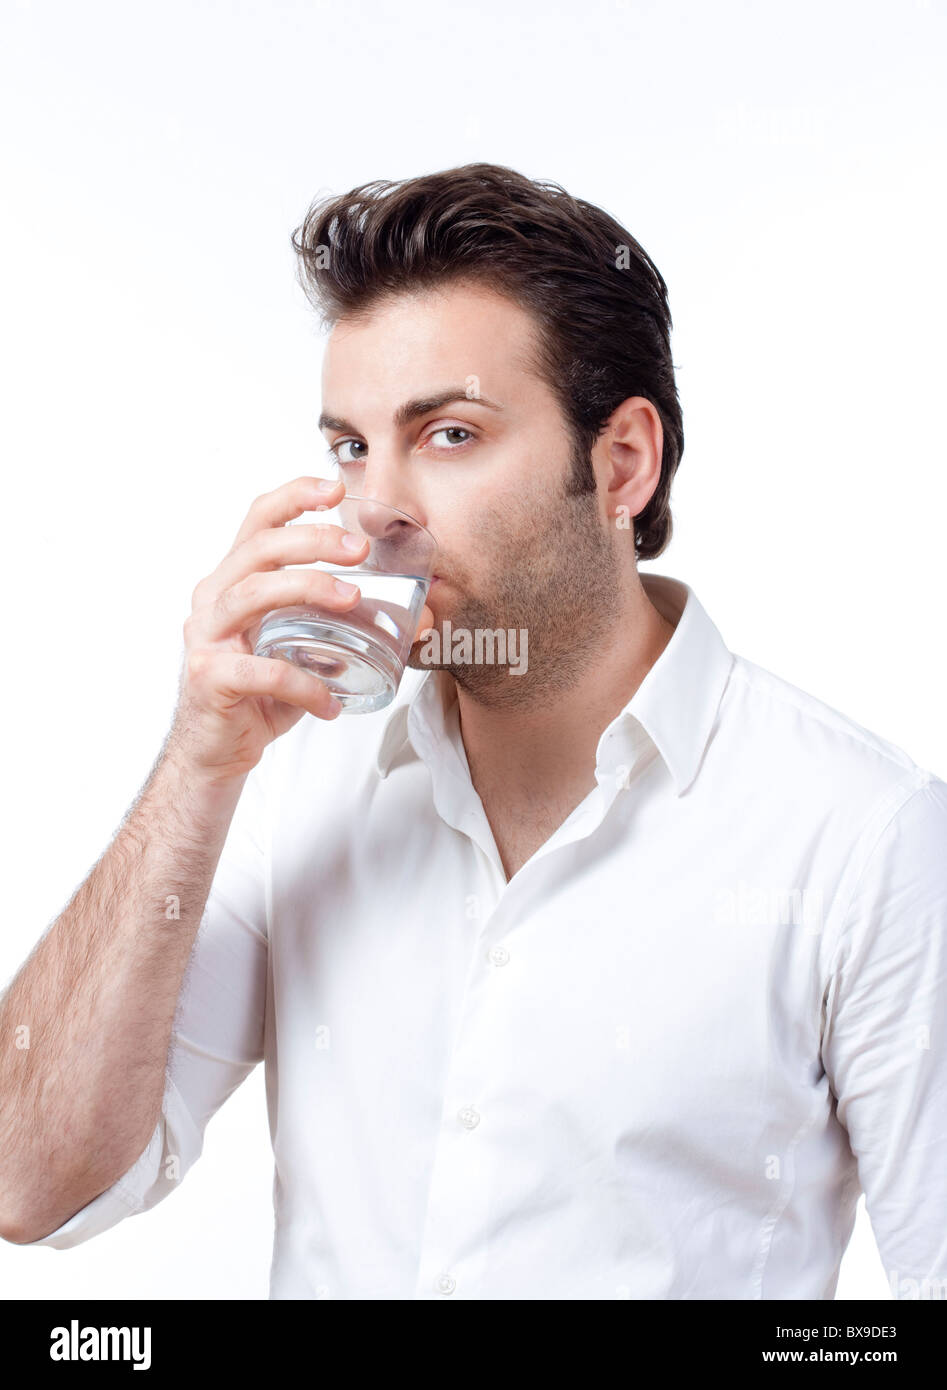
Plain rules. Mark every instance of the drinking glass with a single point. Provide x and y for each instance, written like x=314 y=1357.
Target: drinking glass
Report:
x=360 y=654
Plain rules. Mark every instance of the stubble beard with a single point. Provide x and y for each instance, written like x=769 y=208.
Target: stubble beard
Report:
x=556 y=575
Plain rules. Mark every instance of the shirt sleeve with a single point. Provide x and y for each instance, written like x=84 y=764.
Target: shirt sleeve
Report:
x=884 y=1044
x=217 y=1035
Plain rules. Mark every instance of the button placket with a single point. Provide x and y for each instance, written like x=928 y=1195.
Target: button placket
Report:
x=458 y=1195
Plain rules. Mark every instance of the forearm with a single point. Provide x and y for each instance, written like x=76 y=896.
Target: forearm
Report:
x=86 y=1023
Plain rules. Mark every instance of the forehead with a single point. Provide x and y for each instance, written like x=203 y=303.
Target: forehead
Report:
x=427 y=338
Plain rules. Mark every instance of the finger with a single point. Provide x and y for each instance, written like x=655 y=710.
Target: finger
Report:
x=425 y=622
x=291 y=499
x=238 y=608
x=222 y=679
x=279 y=545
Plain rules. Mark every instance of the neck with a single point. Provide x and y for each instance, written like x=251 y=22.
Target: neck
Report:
x=551 y=745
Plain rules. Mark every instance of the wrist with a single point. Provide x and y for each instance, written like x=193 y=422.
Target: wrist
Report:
x=197 y=779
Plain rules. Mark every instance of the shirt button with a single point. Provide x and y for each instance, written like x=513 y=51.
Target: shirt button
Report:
x=468 y=1117
x=445 y=1284
x=499 y=955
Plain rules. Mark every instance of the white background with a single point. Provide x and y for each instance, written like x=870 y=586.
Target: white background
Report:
x=782 y=163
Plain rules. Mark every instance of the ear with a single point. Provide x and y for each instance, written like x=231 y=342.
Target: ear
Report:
x=630 y=455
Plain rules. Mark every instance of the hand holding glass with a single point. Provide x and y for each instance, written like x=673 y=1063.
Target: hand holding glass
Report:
x=360 y=654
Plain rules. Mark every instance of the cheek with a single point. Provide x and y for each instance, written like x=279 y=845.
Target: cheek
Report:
x=461 y=528
x=479 y=527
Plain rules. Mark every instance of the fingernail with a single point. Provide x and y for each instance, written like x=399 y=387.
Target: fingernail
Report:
x=351 y=542
x=344 y=588
x=334 y=707
x=327 y=485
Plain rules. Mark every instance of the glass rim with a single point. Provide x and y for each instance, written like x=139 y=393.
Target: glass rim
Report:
x=377 y=502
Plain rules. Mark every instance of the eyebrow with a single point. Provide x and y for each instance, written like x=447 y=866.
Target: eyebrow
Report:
x=412 y=410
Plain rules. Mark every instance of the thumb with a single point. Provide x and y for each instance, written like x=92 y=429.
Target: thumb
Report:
x=425 y=622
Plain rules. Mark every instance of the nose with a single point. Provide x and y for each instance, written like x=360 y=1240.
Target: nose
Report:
x=378 y=521
x=399 y=541
x=383 y=477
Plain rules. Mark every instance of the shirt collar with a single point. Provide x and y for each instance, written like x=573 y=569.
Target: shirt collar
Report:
x=675 y=705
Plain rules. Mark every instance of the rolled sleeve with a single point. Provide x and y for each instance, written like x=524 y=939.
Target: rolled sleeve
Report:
x=218 y=1030
x=885 y=1040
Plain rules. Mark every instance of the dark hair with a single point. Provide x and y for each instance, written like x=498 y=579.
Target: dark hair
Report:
x=600 y=302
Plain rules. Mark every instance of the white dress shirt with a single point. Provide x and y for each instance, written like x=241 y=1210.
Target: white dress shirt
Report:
x=660 y=1062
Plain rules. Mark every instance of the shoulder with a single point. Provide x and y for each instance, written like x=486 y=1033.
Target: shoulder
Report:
x=811 y=749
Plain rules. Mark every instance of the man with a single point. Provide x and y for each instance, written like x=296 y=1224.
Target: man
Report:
x=616 y=976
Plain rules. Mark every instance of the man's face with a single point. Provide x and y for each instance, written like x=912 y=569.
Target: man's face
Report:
x=486 y=473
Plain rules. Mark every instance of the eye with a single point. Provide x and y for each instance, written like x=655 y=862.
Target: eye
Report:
x=335 y=450
x=452 y=429
x=337 y=455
